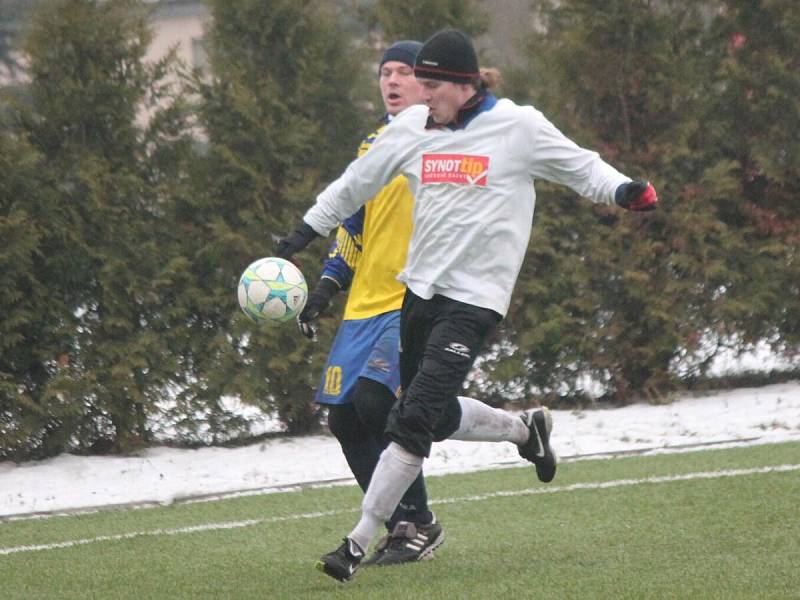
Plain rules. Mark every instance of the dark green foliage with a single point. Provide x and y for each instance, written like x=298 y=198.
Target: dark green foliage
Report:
x=280 y=111
x=104 y=240
x=749 y=133
x=122 y=237
x=419 y=19
x=35 y=327
x=623 y=297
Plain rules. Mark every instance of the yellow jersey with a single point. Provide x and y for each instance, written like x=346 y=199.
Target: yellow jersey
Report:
x=371 y=248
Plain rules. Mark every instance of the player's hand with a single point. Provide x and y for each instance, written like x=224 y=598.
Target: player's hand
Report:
x=295 y=241
x=636 y=195
x=318 y=301
x=306 y=328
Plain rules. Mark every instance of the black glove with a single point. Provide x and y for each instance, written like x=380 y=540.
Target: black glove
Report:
x=636 y=195
x=295 y=241
x=318 y=300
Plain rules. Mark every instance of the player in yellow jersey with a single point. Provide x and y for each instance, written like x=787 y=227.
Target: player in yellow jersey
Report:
x=362 y=375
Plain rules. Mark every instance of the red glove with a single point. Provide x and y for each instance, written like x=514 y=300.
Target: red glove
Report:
x=636 y=195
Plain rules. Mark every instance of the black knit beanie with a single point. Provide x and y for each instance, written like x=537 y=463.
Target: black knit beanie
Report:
x=404 y=51
x=448 y=55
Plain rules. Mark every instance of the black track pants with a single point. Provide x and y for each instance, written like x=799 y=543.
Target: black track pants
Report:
x=359 y=426
x=440 y=339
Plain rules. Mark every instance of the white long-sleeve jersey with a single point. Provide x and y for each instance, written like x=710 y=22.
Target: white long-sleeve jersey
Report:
x=474 y=195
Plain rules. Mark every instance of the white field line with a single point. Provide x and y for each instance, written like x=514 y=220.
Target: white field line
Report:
x=316 y=515
x=323 y=483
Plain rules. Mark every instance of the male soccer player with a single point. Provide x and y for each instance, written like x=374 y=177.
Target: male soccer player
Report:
x=362 y=374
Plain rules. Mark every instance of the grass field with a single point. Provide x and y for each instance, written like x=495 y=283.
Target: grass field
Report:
x=712 y=524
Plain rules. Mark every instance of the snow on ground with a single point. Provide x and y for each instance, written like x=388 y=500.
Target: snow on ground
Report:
x=164 y=475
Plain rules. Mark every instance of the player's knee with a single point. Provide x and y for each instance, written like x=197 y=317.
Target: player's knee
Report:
x=448 y=422
x=372 y=401
x=344 y=423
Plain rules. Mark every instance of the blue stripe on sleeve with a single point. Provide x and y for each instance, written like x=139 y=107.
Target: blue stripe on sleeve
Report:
x=345 y=252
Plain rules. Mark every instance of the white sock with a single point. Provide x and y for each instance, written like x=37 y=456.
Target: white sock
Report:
x=482 y=423
x=395 y=472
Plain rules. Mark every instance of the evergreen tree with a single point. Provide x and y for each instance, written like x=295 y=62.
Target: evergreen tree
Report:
x=89 y=83
x=616 y=296
x=668 y=91
x=34 y=300
x=280 y=108
x=750 y=119
x=419 y=19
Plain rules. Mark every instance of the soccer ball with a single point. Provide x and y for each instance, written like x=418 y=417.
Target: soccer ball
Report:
x=272 y=290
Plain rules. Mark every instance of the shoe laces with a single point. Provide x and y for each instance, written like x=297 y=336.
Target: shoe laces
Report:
x=403 y=531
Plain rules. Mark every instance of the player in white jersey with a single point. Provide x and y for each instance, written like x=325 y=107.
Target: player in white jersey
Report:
x=471 y=161
x=362 y=374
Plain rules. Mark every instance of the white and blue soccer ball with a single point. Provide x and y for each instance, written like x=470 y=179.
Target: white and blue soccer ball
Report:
x=272 y=290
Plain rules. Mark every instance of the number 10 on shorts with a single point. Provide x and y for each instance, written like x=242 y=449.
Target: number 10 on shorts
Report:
x=333 y=381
